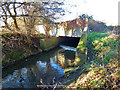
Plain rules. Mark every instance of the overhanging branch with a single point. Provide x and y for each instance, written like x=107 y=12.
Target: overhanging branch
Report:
x=20 y=16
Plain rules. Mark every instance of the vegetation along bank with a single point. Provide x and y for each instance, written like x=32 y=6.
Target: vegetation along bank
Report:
x=103 y=62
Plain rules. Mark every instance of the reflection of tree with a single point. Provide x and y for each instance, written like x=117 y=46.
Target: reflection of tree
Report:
x=18 y=79
x=65 y=58
x=61 y=60
x=56 y=58
x=48 y=65
x=35 y=70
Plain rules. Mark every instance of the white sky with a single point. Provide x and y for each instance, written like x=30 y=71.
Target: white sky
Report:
x=102 y=10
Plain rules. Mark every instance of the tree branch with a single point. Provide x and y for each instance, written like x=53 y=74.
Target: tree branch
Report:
x=5 y=20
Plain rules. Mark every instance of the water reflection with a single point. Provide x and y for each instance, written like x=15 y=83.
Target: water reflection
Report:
x=17 y=79
x=45 y=66
x=66 y=58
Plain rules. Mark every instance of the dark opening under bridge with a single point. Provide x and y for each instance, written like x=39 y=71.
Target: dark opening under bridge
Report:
x=69 y=41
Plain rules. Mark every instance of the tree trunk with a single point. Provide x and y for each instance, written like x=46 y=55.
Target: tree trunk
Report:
x=5 y=19
x=13 y=16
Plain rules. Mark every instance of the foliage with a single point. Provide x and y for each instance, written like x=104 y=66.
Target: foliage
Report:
x=30 y=14
x=104 y=48
x=100 y=77
x=83 y=42
x=97 y=26
x=15 y=47
x=85 y=16
x=95 y=36
x=103 y=69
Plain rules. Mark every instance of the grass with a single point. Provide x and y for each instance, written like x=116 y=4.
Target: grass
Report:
x=103 y=69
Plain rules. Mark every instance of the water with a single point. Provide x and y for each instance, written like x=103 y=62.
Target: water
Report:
x=68 y=48
x=44 y=68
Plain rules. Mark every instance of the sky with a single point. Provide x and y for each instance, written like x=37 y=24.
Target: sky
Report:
x=102 y=10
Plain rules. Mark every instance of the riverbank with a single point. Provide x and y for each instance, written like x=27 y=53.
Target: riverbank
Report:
x=73 y=72
x=103 y=66
x=18 y=46
x=102 y=61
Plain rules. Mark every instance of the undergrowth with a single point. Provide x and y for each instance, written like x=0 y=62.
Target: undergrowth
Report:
x=16 y=46
x=103 y=69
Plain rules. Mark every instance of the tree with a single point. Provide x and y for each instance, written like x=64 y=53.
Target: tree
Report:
x=33 y=13
x=49 y=14
x=6 y=8
x=96 y=26
x=31 y=20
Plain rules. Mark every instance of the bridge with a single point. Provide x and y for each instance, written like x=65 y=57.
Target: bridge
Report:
x=72 y=36
x=71 y=40
x=75 y=28
x=65 y=37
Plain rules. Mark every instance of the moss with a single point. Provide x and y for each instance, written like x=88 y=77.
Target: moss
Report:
x=8 y=58
x=0 y=44
x=83 y=43
x=48 y=43
x=16 y=55
x=81 y=54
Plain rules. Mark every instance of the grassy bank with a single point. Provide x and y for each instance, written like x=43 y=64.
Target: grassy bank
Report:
x=103 y=70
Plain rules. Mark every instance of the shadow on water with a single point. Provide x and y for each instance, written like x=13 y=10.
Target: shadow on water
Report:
x=43 y=66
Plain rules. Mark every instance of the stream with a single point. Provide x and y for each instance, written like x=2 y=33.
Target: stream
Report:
x=44 y=68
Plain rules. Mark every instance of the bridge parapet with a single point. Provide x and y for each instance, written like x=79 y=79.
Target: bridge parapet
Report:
x=73 y=28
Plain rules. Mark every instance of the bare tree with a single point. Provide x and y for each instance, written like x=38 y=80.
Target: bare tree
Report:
x=34 y=13
x=9 y=11
x=5 y=18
